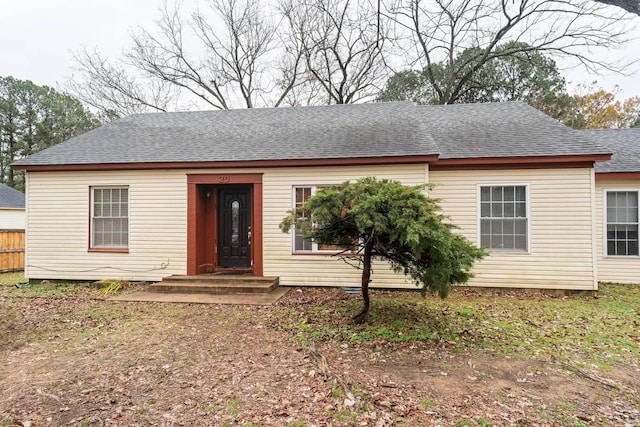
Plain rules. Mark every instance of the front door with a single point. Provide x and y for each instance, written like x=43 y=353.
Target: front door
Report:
x=234 y=227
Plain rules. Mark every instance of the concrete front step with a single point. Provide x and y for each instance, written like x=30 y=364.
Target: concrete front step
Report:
x=215 y=284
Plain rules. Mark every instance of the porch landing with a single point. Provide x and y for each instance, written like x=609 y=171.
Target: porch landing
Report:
x=211 y=289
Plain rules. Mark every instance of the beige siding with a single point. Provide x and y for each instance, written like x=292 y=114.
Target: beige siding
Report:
x=320 y=270
x=58 y=226
x=58 y=215
x=613 y=269
x=561 y=222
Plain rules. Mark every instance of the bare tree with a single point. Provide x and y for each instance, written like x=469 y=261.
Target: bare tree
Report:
x=343 y=43
x=236 y=60
x=333 y=51
x=436 y=32
x=220 y=59
x=114 y=91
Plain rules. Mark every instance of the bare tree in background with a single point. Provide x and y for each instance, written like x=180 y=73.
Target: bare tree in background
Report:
x=116 y=92
x=342 y=42
x=433 y=32
x=230 y=55
x=222 y=61
x=237 y=63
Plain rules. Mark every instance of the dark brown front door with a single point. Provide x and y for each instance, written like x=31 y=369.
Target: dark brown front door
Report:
x=234 y=227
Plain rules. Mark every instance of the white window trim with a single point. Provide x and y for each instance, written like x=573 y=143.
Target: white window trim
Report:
x=527 y=194
x=92 y=245
x=314 y=245
x=605 y=243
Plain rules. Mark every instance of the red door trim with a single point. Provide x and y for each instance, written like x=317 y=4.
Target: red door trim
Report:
x=192 y=215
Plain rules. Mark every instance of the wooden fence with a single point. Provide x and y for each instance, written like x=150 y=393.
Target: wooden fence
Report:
x=11 y=250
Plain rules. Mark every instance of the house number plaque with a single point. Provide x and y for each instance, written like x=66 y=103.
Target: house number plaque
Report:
x=224 y=179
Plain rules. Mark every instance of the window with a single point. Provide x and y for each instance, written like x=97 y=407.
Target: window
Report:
x=300 y=244
x=504 y=220
x=109 y=217
x=301 y=195
x=622 y=223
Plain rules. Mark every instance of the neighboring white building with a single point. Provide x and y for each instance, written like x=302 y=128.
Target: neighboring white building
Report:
x=152 y=195
x=12 y=216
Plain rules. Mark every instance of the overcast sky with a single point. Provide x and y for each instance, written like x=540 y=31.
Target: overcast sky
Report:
x=38 y=38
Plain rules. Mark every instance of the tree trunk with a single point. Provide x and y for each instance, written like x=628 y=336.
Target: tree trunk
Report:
x=11 y=159
x=366 y=278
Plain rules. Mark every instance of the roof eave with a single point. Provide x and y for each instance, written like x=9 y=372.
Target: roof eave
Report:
x=618 y=175
x=428 y=158
x=523 y=162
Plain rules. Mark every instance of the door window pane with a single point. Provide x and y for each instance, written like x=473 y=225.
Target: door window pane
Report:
x=235 y=221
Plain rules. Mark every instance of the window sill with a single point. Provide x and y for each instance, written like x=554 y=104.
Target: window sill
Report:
x=110 y=250
x=506 y=252
x=323 y=253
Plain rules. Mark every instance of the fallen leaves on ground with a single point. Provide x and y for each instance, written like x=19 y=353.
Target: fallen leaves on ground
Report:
x=93 y=362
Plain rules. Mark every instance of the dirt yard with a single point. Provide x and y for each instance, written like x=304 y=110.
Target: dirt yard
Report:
x=83 y=361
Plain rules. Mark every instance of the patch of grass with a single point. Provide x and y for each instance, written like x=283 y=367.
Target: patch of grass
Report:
x=234 y=406
x=344 y=415
x=565 y=406
x=63 y=289
x=12 y=278
x=580 y=329
x=48 y=289
x=567 y=420
x=102 y=314
x=428 y=403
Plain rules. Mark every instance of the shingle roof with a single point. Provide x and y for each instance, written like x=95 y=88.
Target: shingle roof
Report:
x=625 y=145
x=510 y=129
x=10 y=198
x=338 y=131
x=506 y=129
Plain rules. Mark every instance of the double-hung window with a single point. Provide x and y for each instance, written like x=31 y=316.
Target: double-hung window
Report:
x=622 y=222
x=504 y=217
x=300 y=244
x=300 y=197
x=109 y=218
